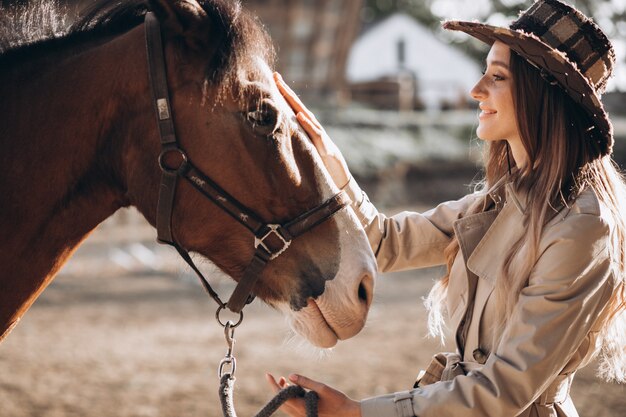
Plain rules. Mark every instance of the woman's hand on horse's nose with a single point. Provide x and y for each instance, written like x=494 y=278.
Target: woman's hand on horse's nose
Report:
x=327 y=149
x=332 y=403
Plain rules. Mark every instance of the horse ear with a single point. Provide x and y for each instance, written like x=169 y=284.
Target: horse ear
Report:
x=182 y=17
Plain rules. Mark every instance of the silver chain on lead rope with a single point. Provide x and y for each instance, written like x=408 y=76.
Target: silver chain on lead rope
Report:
x=226 y=373
x=228 y=365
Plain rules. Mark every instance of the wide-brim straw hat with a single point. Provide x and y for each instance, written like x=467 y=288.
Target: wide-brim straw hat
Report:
x=567 y=47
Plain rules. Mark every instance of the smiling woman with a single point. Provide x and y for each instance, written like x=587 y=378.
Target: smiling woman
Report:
x=225 y=131
x=494 y=93
x=536 y=258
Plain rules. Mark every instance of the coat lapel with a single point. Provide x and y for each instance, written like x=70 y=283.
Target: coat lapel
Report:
x=469 y=231
x=490 y=253
x=484 y=241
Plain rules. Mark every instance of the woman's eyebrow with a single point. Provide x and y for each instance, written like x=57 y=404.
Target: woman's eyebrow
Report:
x=499 y=64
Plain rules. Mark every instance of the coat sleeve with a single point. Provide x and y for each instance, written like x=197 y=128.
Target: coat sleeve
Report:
x=567 y=291
x=408 y=240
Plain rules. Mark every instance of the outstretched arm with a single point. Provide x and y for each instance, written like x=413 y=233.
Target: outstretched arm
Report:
x=406 y=240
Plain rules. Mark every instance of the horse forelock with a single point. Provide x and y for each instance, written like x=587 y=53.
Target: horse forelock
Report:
x=244 y=41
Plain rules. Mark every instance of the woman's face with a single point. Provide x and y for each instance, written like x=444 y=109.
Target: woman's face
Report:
x=494 y=92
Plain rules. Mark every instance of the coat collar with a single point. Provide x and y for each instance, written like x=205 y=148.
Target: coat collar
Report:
x=505 y=191
x=487 y=258
x=517 y=197
x=508 y=227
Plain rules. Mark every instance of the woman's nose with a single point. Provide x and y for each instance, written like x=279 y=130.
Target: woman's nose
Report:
x=478 y=92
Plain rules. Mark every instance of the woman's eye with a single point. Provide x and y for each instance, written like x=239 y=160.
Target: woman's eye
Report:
x=496 y=77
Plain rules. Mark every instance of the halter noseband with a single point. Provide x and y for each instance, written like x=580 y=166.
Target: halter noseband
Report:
x=270 y=240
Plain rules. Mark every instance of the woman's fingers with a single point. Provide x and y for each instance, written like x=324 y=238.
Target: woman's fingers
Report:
x=272 y=382
x=331 y=401
x=311 y=129
x=295 y=407
x=328 y=151
x=303 y=381
x=307 y=119
x=293 y=99
x=307 y=383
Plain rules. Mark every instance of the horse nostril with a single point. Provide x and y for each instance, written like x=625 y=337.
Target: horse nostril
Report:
x=365 y=291
x=362 y=292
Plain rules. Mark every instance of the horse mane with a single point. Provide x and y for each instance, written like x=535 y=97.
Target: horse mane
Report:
x=24 y=33
x=38 y=21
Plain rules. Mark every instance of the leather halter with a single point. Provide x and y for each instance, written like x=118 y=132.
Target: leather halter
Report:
x=270 y=240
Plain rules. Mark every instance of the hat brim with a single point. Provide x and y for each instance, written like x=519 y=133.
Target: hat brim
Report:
x=555 y=62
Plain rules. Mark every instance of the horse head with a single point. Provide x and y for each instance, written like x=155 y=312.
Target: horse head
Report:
x=235 y=126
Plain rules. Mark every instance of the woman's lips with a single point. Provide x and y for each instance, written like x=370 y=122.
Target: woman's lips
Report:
x=486 y=113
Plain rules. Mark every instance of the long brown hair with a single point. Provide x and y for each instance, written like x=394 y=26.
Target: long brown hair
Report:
x=563 y=154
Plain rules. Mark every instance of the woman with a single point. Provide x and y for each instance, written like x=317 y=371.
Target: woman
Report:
x=536 y=260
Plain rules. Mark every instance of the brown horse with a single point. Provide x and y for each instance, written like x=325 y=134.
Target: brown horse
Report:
x=80 y=140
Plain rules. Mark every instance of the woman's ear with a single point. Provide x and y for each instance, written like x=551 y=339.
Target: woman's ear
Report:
x=184 y=18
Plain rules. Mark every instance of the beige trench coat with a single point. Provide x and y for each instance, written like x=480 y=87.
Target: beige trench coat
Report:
x=554 y=327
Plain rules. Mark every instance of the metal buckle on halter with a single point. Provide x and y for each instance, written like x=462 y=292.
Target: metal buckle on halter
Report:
x=273 y=230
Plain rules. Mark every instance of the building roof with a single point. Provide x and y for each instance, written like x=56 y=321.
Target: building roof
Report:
x=399 y=44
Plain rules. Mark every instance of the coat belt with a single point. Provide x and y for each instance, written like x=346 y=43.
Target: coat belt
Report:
x=446 y=366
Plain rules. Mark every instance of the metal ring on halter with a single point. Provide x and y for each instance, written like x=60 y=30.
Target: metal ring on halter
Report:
x=217 y=317
x=180 y=169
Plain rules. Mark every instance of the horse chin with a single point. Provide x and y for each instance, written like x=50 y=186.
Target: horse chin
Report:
x=309 y=322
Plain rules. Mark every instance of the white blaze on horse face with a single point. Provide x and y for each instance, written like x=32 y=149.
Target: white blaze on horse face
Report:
x=341 y=311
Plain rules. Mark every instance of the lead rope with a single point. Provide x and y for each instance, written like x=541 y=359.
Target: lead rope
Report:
x=227 y=383
x=227 y=386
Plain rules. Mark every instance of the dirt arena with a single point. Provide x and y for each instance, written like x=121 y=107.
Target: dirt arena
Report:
x=109 y=340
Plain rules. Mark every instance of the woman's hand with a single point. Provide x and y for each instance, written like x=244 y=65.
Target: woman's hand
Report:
x=331 y=402
x=330 y=153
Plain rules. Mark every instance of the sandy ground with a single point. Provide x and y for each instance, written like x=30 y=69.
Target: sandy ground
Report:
x=109 y=340
x=148 y=346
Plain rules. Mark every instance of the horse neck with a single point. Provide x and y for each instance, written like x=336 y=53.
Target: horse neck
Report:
x=63 y=128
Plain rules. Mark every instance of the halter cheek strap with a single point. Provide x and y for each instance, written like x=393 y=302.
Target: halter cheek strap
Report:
x=270 y=241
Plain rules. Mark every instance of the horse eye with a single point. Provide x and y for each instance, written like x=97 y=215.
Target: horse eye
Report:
x=264 y=118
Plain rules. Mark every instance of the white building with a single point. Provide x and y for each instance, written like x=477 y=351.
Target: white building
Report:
x=399 y=45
